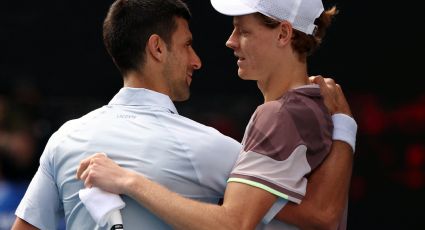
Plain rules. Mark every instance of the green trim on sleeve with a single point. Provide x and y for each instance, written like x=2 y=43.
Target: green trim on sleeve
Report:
x=258 y=185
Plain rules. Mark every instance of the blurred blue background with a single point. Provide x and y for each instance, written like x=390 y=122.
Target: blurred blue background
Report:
x=53 y=67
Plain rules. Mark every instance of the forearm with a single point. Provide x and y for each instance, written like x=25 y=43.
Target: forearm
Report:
x=243 y=206
x=180 y=212
x=22 y=225
x=327 y=192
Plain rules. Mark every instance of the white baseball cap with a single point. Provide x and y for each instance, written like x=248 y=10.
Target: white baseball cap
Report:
x=300 y=13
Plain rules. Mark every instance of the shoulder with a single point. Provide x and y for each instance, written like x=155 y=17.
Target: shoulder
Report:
x=310 y=119
x=305 y=106
x=191 y=126
x=291 y=108
x=289 y=105
x=201 y=136
x=70 y=126
x=296 y=118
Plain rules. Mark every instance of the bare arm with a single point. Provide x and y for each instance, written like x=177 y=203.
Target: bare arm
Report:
x=243 y=206
x=327 y=193
x=22 y=225
x=328 y=186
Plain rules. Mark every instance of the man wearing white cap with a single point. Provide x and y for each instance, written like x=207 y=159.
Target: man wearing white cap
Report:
x=288 y=137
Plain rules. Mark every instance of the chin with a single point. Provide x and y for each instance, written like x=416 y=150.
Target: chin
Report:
x=242 y=75
x=182 y=97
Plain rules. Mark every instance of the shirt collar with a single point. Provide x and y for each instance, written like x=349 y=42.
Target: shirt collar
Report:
x=142 y=97
x=310 y=90
x=311 y=86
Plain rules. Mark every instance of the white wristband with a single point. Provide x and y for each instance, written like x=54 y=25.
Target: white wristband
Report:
x=345 y=129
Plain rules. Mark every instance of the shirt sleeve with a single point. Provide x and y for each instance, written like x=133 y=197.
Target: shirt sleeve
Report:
x=41 y=206
x=214 y=159
x=281 y=147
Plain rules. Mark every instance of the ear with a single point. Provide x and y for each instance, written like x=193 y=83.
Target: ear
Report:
x=285 y=33
x=156 y=47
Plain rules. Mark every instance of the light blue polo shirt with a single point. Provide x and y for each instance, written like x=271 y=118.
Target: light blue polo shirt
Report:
x=140 y=130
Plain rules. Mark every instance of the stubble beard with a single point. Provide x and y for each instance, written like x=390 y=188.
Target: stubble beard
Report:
x=179 y=88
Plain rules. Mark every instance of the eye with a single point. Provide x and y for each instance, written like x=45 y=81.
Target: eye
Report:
x=243 y=32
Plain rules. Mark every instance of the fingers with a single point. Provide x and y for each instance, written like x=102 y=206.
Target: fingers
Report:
x=330 y=81
x=333 y=96
x=317 y=80
x=342 y=102
x=85 y=173
x=339 y=92
x=327 y=85
x=100 y=154
x=82 y=167
x=328 y=89
x=88 y=175
x=86 y=162
x=321 y=80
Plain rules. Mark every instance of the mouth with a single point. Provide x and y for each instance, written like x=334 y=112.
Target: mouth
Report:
x=189 y=78
x=240 y=59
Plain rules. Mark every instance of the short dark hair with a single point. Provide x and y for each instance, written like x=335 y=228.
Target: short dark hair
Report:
x=129 y=24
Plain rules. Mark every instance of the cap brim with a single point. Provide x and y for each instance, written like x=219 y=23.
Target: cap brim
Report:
x=232 y=7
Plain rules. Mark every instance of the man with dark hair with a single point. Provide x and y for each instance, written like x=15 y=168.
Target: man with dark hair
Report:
x=150 y=42
x=129 y=25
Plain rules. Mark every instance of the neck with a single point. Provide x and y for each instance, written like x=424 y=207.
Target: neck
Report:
x=147 y=79
x=291 y=75
x=137 y=80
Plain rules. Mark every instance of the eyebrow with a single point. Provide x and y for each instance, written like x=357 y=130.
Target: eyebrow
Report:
x=236 y=21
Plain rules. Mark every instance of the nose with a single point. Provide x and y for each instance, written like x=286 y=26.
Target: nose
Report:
x=195 y=60
x=232 y=41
